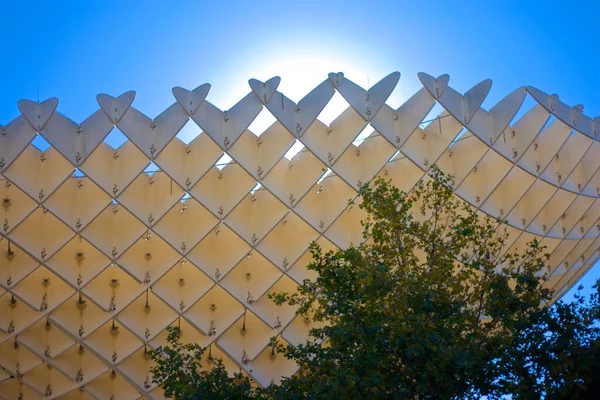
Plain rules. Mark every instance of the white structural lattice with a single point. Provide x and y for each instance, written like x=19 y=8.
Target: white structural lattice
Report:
x=99 y=256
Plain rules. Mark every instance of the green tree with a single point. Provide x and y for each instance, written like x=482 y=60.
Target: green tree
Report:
x=424 y=308
x=434 y=304
x=558 y=355
x=179 y=371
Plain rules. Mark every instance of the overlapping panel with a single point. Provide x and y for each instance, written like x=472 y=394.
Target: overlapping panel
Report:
x=104 y=245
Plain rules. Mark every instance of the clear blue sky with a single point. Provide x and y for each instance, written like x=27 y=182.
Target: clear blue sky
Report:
x=75 y=50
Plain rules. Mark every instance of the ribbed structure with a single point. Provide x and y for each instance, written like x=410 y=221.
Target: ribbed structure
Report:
x=99 y=256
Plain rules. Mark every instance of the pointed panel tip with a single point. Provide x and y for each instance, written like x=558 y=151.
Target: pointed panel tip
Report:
x=265 y=90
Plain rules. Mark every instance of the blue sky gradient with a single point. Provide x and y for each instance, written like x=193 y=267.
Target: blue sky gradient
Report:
x=75 y=50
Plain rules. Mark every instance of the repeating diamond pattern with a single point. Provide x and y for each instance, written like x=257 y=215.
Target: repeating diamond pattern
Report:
x=104 y=248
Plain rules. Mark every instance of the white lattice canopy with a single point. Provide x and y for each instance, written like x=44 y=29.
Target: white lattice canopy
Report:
x=100 y=253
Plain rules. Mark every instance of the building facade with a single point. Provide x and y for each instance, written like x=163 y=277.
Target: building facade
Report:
x=101 y=253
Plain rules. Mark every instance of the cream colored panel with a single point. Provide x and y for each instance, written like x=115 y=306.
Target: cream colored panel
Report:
x=461 y=107
x=186 y=164
x=590 y=258
x=425 y=146
x=358 y=165
x=182 y=286
x=78 y=262
x=510 y=190
x=225 y=127
x=297 y=118
x=297 y=332
x=147 y=316
x=550 y=243
x=575 y=259
x=572 y=116
x=136 y=369
x=36 y=113
x=545 y=147
x=76 y=141
x=329 y=142
x=256 y=215
x=259 y=154
x=112 y=385
x=39 y=173
x=264 y=91
x=113 y=170
x=483 y=178
x=188 y=335
x=77 y=201
x=17 y=359
x=287 y=241
x=397 y=125
x=218 y=252
x=113 y=289
x=14 y=138
x=522 y=241
x=516 y=139
x=148 y=258
x=77 y=394
x=402 y=172
x=185 y=224
x=584 y=170
x=42 y=234
x=571 y=153
x=43 y=290
x=114 y=230
x=16 y=205
x=14 y=389
x=190 y=100
x=221 y=190
x=215 y=312
x=246 y=338
x=79 y=365
x=366 y=102
x=290 y=180
x=531 y=204
x=593 y=187
x=152 y=135
x=325 y=202
x=78 y=316
x=213 y=353
x=149 y=197
x=590 y=220
x=562 y=250
x=461 y=157
x=490 y=125
x=277 y=317
x=45 y=340
x=251 y=278
x=269 y=369
x=552 y=210
x=48 y=381
x=566 y=226
x=15 y=316
x=15 y=264
x=113 y=342
x=115 y=107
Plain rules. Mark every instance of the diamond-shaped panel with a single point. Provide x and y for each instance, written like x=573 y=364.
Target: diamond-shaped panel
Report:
x=100 y=254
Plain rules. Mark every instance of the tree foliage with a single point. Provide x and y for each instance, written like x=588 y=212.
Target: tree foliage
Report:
x=557 y=356
x=180 y=372
x=432 y=305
